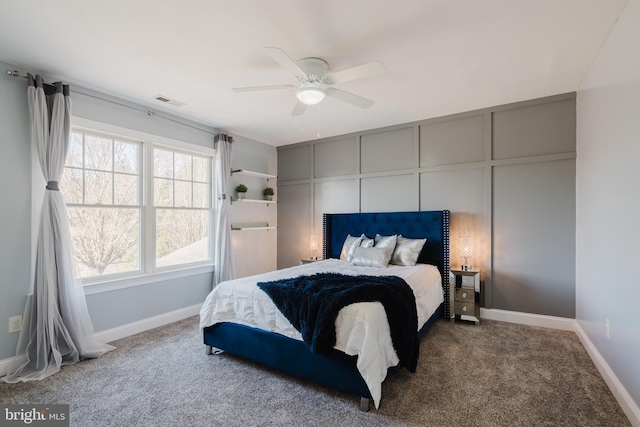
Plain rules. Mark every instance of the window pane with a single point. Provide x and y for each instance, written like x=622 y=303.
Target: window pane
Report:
x=98 y=153
x=182 y=236
x=126 y=189
x=200 y=195
x=183 y=194
x=71 y=185
x=74 y=155
x=200 y=169
x=98 y=188
x=106 y=240
x=162 y=163
x=162 y=192
x=126 y=157
x=182 y=166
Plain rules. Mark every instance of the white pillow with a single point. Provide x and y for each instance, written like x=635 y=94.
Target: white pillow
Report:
x=407 y=251
x=386 y=241
x=366 y=242
x=350 y=245
x=372 y=257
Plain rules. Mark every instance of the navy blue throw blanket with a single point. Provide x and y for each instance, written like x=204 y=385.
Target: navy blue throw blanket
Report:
x=311 y=304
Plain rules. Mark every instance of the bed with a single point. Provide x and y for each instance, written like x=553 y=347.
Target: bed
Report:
x=341 y=367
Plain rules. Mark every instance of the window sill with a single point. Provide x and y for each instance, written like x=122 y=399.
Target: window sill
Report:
x=143 y=279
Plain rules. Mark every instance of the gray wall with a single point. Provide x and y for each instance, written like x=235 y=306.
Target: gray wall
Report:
x=506 y=173
x=608 y=201
x=15 y=220
x=118 y=307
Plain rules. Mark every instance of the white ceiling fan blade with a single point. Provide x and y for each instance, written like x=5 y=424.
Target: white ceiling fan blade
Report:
x=361 y=71
x=349 y=98
x=283 y=59
x=257 y=88
x=299 y=109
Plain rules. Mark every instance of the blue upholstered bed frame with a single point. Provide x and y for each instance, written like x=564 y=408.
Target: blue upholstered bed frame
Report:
x=337 y=369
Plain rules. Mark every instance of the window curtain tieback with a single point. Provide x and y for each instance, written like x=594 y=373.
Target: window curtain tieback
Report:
x=53 y=186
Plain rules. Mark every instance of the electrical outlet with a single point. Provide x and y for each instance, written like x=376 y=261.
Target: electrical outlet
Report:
x=607 y=329
x=15 y=324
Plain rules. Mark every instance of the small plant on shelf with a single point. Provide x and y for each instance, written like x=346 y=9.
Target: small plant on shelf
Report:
x=268 y=193
x=241 y=189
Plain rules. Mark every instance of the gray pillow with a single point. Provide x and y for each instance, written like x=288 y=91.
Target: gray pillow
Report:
x=407 y=251
x=372 y=257
x=350 y=245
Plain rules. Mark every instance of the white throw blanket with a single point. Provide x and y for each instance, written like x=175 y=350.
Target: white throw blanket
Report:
x=362 y=329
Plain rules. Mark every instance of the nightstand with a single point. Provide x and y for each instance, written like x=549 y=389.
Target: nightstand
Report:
x=465 y=289
x=308 y=261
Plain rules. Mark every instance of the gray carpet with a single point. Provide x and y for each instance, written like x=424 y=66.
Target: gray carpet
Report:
x=493 y=374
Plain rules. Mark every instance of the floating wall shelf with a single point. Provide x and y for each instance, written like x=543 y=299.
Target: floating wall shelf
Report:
x=251 y=227
x=252 y=173
x=236 y=200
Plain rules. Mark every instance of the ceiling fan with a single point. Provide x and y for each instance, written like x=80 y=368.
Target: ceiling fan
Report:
x=316 y=81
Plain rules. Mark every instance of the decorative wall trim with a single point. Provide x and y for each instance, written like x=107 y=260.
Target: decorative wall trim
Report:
x=630 y=408
x=133 y=328
x=553 y=322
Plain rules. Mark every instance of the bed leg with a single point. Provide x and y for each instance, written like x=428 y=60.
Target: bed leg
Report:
x=212 y=350
x=364 y=404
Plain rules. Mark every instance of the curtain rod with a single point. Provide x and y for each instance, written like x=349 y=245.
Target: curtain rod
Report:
x=16 y=73
x=150 y=113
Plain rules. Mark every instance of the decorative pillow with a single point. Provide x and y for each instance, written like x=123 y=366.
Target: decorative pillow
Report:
x=385 y=241
x=407 y=251
x=372 y=257
x=366 y=242
x=350 y=245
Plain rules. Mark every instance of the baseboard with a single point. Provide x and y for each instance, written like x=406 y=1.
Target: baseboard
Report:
x=8 y=365
x=623 y=397
x=109 y=335
x=626 y=402
x=133 y=328
x=530 y=319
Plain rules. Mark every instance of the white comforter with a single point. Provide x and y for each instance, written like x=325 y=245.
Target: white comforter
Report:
x=362 y=329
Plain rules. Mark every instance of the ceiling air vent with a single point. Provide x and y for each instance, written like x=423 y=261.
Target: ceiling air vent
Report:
x=169 y=101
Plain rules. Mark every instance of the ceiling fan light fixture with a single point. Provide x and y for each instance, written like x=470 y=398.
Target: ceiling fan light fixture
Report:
x=310 y=95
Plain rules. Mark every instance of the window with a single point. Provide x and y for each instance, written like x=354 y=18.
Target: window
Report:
x=123 y=224
x=181 y=199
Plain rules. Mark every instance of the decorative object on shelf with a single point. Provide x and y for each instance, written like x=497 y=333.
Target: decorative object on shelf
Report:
x=465 y=252
x=241 y=189
x=313 y=246
x=268 y=193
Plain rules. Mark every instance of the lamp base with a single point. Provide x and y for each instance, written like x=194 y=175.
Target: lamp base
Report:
x=465 y=267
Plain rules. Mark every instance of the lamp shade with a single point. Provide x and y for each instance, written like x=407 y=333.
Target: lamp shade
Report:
x=313 y=242
x=465 y=251
x=310 y=95
x=465 y=246
x=313 y=245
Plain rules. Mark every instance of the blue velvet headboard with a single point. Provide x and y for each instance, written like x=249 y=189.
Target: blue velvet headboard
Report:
x=432 y=225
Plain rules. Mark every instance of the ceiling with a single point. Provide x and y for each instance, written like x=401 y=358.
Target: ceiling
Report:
x=441 y=56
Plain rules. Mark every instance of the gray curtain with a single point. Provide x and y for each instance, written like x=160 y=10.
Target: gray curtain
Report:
x=57 y=329
x=223 y=269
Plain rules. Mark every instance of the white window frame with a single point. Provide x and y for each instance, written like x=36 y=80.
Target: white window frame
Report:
x=148 y=273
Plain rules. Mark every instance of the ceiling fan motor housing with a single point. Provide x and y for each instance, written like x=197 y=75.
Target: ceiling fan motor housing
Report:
x=315 y=69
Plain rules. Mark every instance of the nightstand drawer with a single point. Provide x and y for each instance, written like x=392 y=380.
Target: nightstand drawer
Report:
x=466 y=308
x=465 y=295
